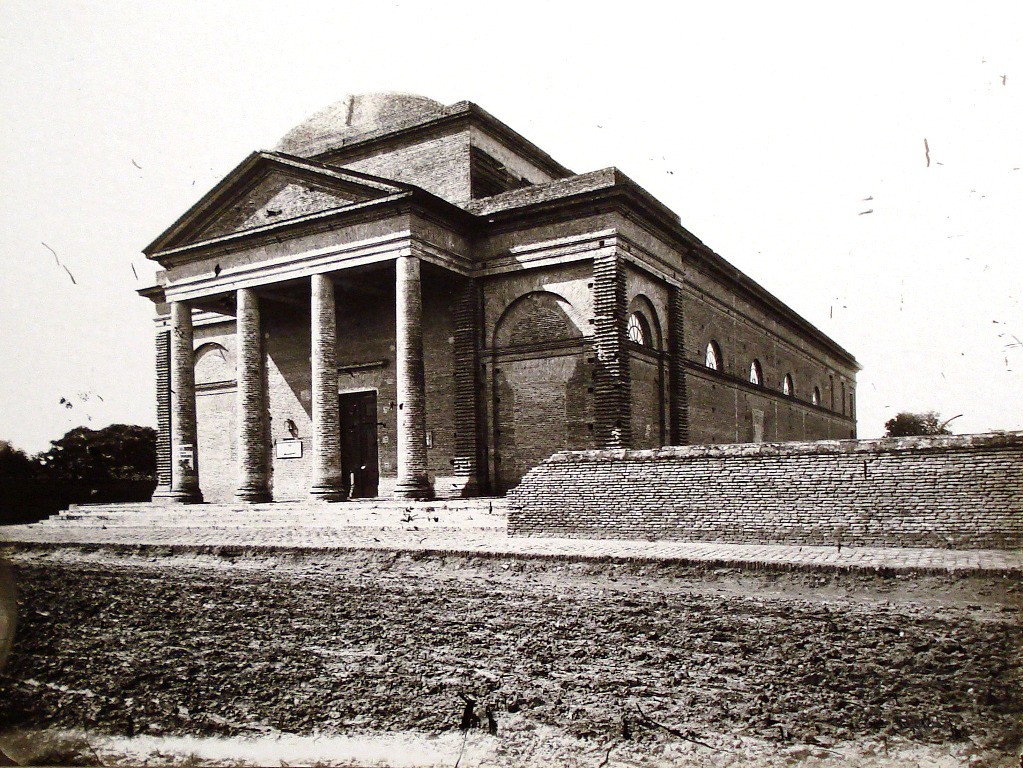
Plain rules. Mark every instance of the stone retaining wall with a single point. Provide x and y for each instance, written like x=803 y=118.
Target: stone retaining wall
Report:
x=962 y=491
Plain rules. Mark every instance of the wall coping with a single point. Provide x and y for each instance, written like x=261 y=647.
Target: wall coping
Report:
x=934 y=443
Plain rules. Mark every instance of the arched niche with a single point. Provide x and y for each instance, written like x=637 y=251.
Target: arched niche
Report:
x=537 y=317
x=213 y=364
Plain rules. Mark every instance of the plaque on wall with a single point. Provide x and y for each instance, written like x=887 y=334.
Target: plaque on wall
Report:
x=288 y=449
x=186 y=457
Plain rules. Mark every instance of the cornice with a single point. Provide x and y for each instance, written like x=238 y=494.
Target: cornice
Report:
x=256 y=166
x=415 y=200
x=603 y=191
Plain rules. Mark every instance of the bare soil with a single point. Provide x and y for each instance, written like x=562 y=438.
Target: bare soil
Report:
x=624 y=658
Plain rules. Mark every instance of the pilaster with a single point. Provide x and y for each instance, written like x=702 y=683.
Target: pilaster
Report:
x=678 y=397
x=467 y=390
x=163 y=415
x=611 y=381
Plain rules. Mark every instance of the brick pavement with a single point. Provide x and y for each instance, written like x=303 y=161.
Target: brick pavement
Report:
x=476 y=528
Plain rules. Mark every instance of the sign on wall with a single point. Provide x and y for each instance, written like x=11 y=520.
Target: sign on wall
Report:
x=288 y=449
x=186 y=457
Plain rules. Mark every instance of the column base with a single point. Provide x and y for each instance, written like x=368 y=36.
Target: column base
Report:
x=329 y=493
x=253 y=495
x=182 y=497
x=420 y=490
x=462 y=487
x=162 y=495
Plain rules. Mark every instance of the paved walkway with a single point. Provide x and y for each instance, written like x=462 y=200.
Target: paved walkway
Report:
x=457 y=528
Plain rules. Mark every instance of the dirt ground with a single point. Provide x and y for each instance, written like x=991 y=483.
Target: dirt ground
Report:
x=541 y=661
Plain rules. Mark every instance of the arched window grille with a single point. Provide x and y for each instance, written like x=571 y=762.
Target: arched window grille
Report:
x=756 y=373
x=816 y=396
x=639 y=330
x=714 y=361
x=787 y=388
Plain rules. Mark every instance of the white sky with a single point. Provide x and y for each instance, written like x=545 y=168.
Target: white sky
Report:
x=764 y=125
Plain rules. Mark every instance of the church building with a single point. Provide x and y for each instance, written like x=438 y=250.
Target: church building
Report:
x=412 y=300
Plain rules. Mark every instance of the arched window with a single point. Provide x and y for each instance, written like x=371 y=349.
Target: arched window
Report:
x=787 y=388
x=714 y=361
x=639 y=330
x=843 y=398
x=816 y=396
x=756 y=373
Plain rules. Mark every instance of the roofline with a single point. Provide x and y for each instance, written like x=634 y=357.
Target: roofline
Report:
x=247 y=166
x=611 y=185
x=459 y=112
x=608 y=184
x=415 y=199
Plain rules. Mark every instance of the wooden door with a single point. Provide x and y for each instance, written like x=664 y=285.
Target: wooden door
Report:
x=359 y=462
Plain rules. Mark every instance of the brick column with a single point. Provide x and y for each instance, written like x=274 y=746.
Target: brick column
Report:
x=467 y=389
x=326 y=484
x=413 y=482
x=184 y=435
x=678 y=397
x=163 y=415
x=612 y=391
x=252 y=472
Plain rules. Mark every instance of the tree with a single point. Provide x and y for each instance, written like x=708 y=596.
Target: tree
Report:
x=15 y=463
x=906 y=424
x=113 y=464
x=117 y=452
x=22 y=486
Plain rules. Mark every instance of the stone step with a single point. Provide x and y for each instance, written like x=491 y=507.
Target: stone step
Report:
x=479 y=513
x=486 y=502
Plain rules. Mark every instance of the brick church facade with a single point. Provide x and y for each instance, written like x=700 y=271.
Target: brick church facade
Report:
x=409 y=299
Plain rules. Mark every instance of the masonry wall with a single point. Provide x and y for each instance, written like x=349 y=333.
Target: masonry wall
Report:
x=962 y=492
x=215 y=397
x=721 y=403
x=438 y=164
x=538 y=367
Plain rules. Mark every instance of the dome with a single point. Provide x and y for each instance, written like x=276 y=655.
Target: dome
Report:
x=354 y=114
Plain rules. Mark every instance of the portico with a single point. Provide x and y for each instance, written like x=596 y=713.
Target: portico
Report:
x=326 y=481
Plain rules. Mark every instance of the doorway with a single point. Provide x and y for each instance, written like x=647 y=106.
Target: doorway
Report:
x=359 y=444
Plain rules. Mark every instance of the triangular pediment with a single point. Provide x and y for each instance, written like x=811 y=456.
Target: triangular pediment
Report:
x=269 y=189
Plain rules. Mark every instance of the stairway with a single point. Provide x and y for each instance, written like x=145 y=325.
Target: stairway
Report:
x=448 y=514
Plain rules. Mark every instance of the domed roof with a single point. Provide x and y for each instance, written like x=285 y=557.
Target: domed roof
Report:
x=354 y=114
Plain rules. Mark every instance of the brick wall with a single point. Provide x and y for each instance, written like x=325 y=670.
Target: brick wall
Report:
x=538 y=372
x=438 y=164
x=963 y=491
x=647 y=407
